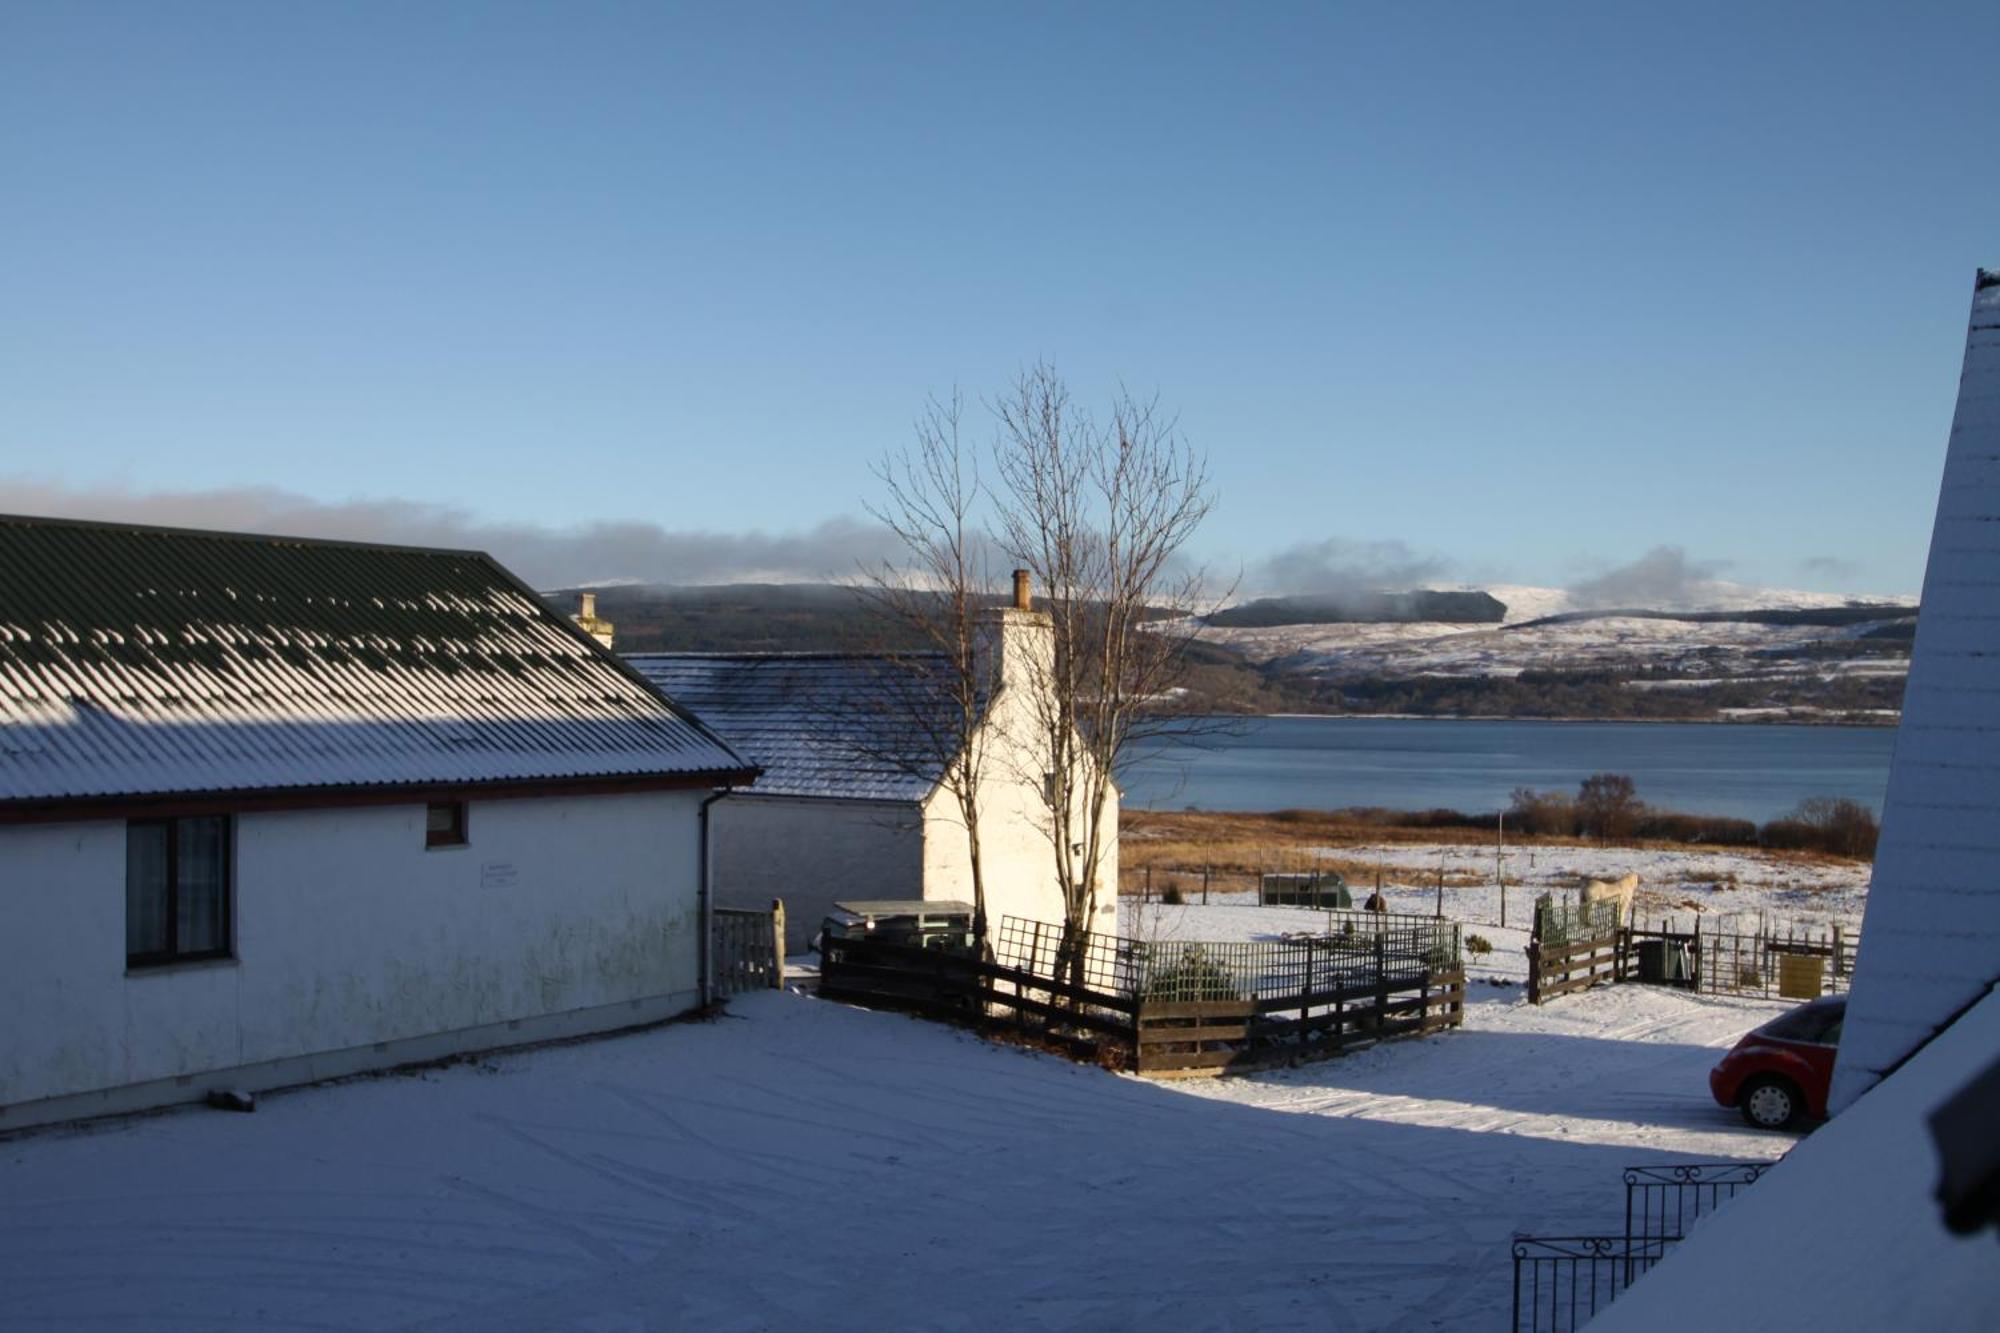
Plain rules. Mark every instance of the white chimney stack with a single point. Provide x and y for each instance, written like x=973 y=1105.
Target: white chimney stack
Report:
x=587 y=619
x=1016 y=642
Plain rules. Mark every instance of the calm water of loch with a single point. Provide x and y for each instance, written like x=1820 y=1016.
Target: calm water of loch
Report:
x=1274 y=763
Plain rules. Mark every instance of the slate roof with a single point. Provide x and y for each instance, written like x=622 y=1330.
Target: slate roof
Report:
x=141 y=661
x=836 y=725
x=1930 y=943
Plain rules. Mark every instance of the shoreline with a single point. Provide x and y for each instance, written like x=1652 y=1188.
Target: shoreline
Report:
x=1883 y=724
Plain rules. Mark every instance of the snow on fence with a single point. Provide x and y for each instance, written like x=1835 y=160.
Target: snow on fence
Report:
x=1179 y=1006
x=747 y=948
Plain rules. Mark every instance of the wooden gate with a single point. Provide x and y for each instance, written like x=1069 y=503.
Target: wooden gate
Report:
x=747 y=948
x=1574 y=948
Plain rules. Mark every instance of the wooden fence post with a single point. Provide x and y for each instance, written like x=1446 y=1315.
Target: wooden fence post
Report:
x=777 y=944
x=1381 y=985
x=1534 y=952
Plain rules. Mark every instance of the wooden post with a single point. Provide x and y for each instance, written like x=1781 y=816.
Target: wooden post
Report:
x=1305 y=993
x=1381 y=986
x=1499 y=872
x=1440 y=899
x=777 y=944
x=1204 y=884
x=1145 y=894
x=1534 y=952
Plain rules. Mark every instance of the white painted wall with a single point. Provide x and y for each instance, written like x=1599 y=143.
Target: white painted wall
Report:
x=348 y=932
x=1017 y=854
x=1930 y=943
x=813 y=853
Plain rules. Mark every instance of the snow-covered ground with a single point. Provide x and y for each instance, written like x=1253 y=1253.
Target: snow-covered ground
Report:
x=803 y=1164
x=1725 y=890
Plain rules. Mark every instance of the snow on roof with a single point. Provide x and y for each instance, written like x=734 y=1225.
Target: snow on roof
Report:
x=141 y=661
x=841 y=725
x=1845 y=1232
x=1931 y=938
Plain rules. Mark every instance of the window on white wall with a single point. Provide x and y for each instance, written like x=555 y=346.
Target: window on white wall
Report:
x=176 y=890
x=444 y=824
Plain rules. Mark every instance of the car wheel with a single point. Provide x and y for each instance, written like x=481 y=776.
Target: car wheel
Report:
x=1771 y=1103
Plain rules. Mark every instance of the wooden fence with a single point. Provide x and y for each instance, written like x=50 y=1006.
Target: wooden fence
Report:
x=1177 y=1007
x=747 y=949
x=1573 y=949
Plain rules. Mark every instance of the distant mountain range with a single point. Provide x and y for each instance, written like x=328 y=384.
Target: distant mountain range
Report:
x=1713 y=651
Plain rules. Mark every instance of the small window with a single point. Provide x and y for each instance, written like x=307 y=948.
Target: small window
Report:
x=444 y=824
x=176 y=890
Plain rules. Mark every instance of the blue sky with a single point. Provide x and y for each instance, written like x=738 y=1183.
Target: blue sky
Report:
x=1507 y=292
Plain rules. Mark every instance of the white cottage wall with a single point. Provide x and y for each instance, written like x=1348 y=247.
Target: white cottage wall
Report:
x=813 y=853
x=1018 y=861
x=355 y=947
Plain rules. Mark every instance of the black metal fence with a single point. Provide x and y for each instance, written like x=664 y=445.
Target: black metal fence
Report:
x=1561 y=1282
x=1357 y=949
x=1662 y=1202
x=1776 y=960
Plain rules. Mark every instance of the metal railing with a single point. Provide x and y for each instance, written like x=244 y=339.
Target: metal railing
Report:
x=1662 y=1202
x=1560 y=1282
x=1359 y=949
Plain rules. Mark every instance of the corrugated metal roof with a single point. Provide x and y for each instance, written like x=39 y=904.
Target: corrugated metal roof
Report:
x=148 y=661
x=838 y=725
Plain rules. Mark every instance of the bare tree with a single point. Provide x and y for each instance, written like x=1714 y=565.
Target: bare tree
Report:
x=935 y=696
x=1607 y=807
x=1099 y=512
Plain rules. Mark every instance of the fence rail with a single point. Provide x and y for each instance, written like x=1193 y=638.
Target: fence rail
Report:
x=1574 y=946
x=1662 y=1202
x=747 y=948
x=1781 y=960
x=1176 y=1006
x=1560 y=1282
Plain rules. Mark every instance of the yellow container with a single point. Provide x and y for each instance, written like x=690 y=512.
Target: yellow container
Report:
x=1801 y=976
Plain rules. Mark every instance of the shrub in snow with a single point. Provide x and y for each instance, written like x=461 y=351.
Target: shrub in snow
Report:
x=1193 y=976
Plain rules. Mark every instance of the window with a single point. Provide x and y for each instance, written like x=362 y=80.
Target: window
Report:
x=444 y=824
x=1818 y=1022
x=176 y=890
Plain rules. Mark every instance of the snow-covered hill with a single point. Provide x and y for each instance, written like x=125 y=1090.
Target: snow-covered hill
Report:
x=1695 y=638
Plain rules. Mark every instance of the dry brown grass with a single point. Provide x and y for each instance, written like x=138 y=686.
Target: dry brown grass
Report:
x=1239 y=847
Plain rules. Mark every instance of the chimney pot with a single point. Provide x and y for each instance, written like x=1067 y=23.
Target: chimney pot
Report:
x=1024 y=598
x=587 y=605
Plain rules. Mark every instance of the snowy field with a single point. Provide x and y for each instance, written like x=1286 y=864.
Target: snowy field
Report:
x=803 y=1164
x=1726 y=890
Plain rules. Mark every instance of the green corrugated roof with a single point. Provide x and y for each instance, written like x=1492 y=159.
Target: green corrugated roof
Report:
x=146 y=660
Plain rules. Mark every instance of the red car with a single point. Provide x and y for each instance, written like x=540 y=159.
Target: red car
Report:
x=1778 y=1074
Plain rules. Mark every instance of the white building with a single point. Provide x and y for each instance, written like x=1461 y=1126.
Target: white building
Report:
x=274 y=810
x=850 y=804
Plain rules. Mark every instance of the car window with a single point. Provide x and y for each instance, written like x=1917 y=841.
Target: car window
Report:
x=1814 y=1022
